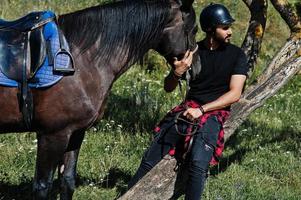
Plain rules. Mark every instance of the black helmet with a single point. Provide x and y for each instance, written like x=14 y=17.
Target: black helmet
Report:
x=213 y=15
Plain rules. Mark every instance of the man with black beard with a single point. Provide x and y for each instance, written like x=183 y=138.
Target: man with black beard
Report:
x=207 y=104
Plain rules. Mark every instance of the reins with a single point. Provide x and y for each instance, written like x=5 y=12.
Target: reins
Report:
x=193 y=126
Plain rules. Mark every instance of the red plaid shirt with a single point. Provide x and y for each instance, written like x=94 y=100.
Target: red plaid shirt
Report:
x=221 y=115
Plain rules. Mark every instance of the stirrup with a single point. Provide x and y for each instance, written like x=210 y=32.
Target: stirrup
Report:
x=69 y=70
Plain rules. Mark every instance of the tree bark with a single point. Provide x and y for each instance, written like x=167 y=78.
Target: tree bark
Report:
x=160 y=181
x=253 y=39
x=158 y=184
x=289 y=15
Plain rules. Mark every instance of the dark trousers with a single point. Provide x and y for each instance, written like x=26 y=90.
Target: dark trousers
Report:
x=197 y=160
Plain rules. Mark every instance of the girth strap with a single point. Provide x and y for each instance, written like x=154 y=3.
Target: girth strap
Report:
x=25 y=100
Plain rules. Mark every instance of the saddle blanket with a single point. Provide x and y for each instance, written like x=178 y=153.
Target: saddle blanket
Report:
x=45 y=76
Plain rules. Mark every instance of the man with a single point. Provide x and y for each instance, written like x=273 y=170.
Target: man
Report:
x=215 y=88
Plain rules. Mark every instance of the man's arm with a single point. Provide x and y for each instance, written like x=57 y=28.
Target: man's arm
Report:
x=179 y=68
x=232 y=96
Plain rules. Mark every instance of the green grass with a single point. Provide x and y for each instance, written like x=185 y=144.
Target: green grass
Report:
x=261 y=161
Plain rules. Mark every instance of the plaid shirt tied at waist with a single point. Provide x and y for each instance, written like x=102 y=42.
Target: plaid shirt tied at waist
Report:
x=221 y=115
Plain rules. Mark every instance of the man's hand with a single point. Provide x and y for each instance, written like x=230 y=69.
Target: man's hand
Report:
x=193 y=113
x=181 y=66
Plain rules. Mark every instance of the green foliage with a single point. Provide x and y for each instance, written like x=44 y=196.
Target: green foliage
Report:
x=138 y=100
x=261 y=161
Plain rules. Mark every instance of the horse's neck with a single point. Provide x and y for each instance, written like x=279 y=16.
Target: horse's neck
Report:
x=121 y=62
x=110 y=69
x=114 y=51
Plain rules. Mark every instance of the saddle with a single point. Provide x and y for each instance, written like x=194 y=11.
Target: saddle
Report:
x=23 y=47
x=23 y=50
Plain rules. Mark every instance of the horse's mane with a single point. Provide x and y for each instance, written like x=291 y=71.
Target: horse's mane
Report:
x=132 y=26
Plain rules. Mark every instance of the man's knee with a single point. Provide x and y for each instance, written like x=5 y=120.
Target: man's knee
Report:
x=199 y=167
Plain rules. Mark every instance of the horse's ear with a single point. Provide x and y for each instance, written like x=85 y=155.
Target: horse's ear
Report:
x=186 y=5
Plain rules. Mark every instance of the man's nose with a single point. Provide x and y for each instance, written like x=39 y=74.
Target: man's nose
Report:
x=230 y=31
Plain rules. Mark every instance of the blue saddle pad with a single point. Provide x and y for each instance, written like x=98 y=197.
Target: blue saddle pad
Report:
x=45 y=76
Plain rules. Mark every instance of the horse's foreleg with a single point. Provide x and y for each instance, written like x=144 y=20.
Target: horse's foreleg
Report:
x=51 y=148
x=67 y=166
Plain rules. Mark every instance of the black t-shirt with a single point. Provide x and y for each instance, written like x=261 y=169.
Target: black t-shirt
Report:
x=217 y=68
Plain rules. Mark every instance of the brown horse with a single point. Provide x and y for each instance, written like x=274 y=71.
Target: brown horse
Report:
x=105 y=41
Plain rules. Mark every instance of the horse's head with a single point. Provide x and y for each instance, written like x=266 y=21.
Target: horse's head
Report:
x=179 y=32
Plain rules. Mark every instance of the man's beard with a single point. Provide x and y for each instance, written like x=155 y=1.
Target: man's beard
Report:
x=228 y=39
x=223 y=40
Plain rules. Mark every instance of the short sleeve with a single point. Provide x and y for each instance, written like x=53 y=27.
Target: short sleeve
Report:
x=241 y=65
